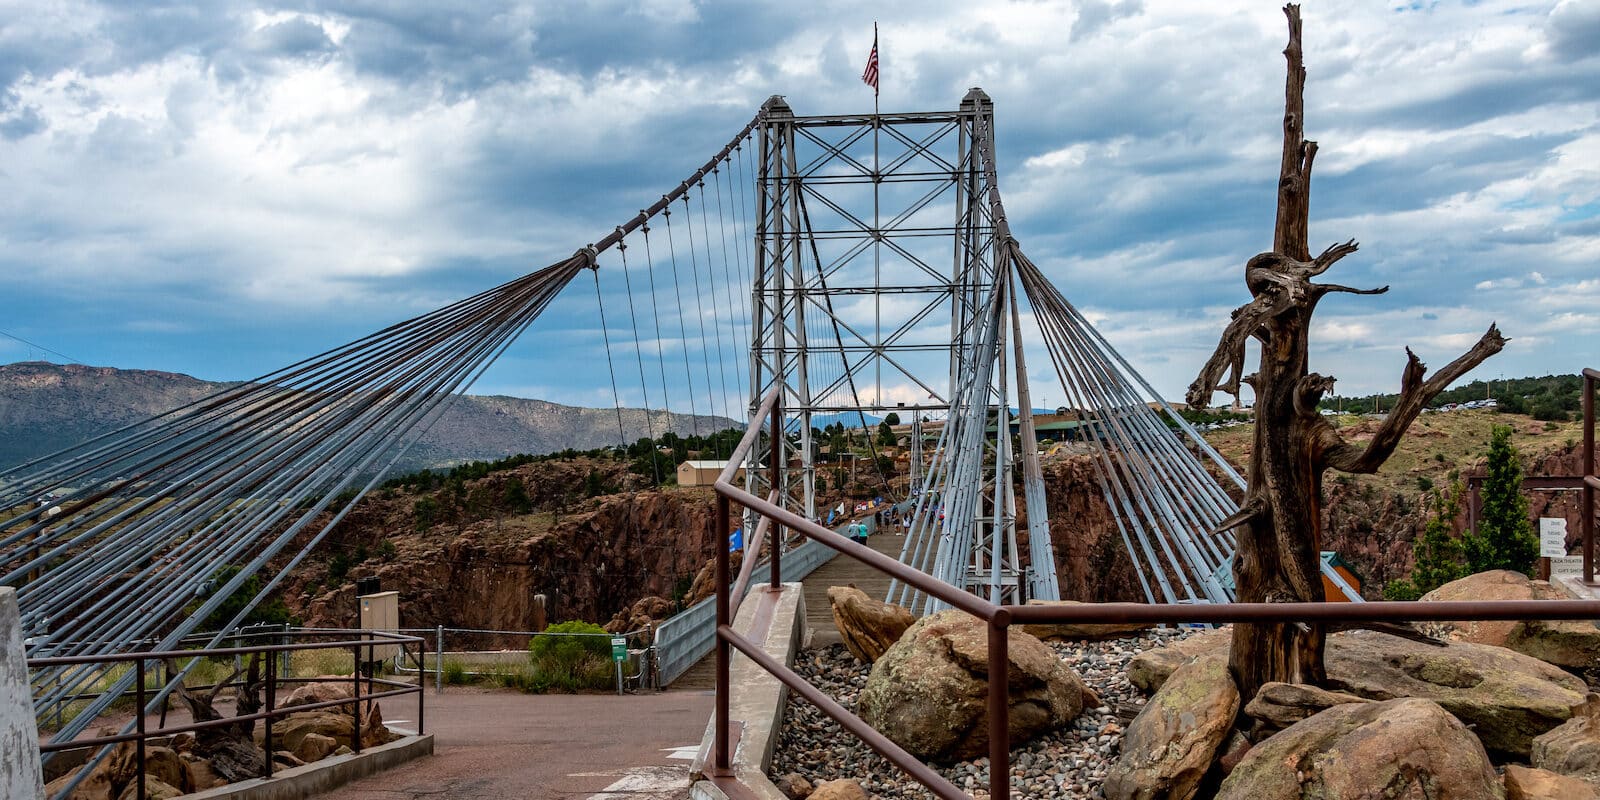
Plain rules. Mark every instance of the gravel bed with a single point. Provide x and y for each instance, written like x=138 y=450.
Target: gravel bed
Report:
x=1067 y=763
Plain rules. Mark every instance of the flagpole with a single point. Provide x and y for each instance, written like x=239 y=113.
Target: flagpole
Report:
x=877 y=242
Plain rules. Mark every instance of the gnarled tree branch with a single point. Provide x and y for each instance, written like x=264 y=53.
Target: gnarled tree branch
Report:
x=1414 y=395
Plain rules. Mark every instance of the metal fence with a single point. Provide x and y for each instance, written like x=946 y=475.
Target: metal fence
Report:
x=358 y=642
x=999 y=618
x=637 y=669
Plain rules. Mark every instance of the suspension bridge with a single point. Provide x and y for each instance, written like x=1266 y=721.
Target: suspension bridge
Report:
x=860 y=264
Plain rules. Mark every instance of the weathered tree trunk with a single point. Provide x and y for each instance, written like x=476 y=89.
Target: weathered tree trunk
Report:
x=1278 y=555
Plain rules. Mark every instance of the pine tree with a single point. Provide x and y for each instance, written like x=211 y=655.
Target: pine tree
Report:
x=1439 y=554
x=885 y=434
x=1505 y=538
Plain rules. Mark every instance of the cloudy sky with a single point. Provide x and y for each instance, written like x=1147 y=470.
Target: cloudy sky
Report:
x=221 y=188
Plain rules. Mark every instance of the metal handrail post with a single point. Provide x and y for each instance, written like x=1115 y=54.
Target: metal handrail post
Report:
x=438 y=660
x=999 y=707
x=1589 y=383
x=355 y=705
x=722 y=760
x=272 y=691
x=422 y=648
x=138 y=712
x=776 y=457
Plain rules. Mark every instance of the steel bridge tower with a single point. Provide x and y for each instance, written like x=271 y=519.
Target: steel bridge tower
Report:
x=875 y=259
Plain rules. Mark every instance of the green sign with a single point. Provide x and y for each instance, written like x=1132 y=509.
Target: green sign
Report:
x=619 y=648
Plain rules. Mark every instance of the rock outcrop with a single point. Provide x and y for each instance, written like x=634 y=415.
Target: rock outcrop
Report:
x=1393 y=749
x=929 y=691
x=1573 y=748
x=1566 y=643
x=867 y=626
x=326 y=689
x=1278 y=705
x=1173 y=741
x=1149 y=669
x=1507 y=697
x=1525 y=783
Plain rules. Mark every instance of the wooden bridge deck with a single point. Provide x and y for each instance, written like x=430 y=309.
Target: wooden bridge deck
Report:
x=840 y=571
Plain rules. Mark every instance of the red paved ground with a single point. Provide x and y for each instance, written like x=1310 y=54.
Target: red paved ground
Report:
x=504 y=744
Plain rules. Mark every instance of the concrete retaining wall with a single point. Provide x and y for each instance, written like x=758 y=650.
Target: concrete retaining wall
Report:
x=325 y=775
x=20 y=773
x=758 y=699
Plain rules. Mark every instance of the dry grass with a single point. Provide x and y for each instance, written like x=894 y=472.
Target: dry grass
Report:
x=1436 y=445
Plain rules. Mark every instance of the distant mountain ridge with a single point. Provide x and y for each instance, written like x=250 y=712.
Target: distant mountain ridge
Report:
x=45 y=407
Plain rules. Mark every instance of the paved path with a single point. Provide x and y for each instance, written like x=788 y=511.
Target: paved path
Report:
x=500 y=745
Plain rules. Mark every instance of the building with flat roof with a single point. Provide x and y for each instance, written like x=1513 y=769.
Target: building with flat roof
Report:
x=704 y=472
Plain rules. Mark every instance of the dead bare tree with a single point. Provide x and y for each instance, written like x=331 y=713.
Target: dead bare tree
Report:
x=1279 y=523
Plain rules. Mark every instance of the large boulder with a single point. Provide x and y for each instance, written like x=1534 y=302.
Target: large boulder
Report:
x=154 y=789
x=1507 y=697
x=1149 y=669
x=1573 y=644
x=326 y=688
x=1081 y=630
x=929 y=691
x=1573 y=748
x=1278 y=705
x=842 y=789
x=1395 y=749
x=1523 y=783
x=315 y=747
x=1174 y=739
x=867 y=626
x=290 y=732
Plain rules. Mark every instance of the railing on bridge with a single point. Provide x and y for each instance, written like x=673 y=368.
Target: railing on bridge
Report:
x=358 y=642
x=1000 y=618
x=684 y=639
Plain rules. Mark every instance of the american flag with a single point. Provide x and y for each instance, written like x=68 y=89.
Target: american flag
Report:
x=870 y=76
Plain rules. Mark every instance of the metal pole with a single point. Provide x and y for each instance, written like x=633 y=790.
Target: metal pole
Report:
x=422 y=648
x=1589 y=383
x=722 y=763
x=272 y=691
x=776 y=540
x=438 y=659
x=355 y=705
x=138 y=711
x=999 y=713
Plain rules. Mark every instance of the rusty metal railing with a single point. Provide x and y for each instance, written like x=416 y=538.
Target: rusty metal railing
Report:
x=356 y=641
x=1000 y=618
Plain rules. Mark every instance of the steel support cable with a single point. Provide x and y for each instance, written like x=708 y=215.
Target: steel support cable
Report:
x=76 y=460
x=1200 y=441
x=192 y=456
x=683 y=331
x=655 y=317
x=1041 y=554
x=961 y=508
x=1115 y=396
x=611 y=368
x=191 y=429
x=1113 y=491
x=920 y=538
x=1118 y=470
x=983 y=145
x=716 y=317
x=638 y=351
x=1176 y=457
x=700 y=315
x=727 y=279
x=311 y=436
x=432 y=400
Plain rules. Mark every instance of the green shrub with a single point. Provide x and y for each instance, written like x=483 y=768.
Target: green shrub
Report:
x=455 y=673
x=570 y=663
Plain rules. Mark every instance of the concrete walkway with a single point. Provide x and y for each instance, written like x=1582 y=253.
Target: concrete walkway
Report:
x=501 y=744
